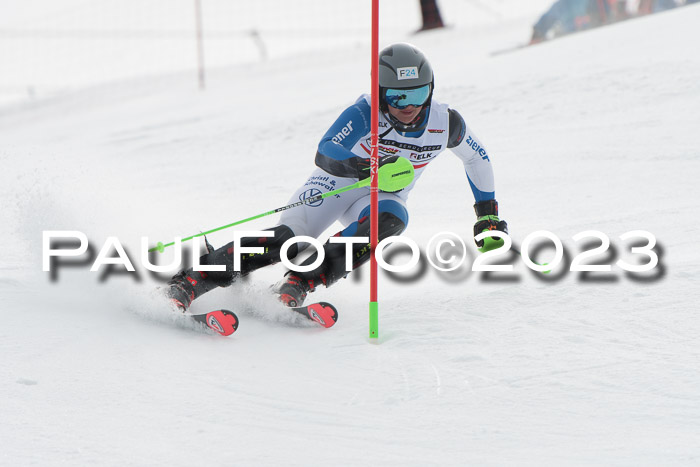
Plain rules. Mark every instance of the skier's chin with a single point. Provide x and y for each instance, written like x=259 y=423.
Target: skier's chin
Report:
x=407 y=120
x=406 y=117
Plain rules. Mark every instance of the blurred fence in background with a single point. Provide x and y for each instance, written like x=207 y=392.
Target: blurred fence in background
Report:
x=47 y=46
x=50 y=46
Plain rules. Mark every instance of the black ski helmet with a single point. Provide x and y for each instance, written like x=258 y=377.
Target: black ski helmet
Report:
x=403 y=66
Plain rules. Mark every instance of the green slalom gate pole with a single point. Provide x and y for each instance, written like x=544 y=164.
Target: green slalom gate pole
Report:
x=392 y=177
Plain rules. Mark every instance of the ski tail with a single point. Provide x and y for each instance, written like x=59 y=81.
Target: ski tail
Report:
x=322 y=313
x=224 y=322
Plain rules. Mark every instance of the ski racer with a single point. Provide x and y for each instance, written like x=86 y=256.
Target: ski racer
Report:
x=412 y=125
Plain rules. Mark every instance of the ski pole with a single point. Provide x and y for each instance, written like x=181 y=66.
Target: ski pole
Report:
x=392 y=177
x=160 y=246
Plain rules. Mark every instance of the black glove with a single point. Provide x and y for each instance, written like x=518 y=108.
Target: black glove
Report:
x=487 y=219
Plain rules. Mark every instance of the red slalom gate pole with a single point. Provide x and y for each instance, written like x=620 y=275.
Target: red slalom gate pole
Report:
x=374 y=174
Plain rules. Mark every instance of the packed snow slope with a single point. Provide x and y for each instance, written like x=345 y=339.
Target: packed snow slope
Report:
x=597 y=131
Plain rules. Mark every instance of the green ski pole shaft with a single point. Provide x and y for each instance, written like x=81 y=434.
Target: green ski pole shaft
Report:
x=362 y=183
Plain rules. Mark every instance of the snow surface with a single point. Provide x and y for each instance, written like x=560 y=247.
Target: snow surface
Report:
x=594 y=131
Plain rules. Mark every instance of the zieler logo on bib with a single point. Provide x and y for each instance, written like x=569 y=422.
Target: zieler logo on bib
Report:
x=407 y=72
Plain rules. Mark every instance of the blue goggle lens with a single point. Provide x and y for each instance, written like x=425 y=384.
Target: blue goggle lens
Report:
x=402 y=98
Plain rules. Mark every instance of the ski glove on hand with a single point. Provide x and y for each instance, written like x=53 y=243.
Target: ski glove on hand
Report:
x=363 y=166
x=487 y=219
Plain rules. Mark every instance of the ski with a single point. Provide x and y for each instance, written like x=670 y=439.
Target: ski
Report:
x=322 y=313
x=223 y=322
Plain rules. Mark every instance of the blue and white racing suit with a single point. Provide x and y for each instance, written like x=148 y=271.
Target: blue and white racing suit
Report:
x=348 y=141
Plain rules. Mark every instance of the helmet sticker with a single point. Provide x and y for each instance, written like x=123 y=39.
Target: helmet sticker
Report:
x=407 y=72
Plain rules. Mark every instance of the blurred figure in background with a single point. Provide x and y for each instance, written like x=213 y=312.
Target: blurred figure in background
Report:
x=564 y=17
x=568 y=16
x=431 y=15
x=662 y=5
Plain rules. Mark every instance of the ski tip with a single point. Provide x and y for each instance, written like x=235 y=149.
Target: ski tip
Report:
x=323 y=313
x=224 y=322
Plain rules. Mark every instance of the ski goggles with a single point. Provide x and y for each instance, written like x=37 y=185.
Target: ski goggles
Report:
x=402 y=98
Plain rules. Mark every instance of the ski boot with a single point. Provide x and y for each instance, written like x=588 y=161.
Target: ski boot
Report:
x=187 y=285
x=180 y=291
x=292 y=289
